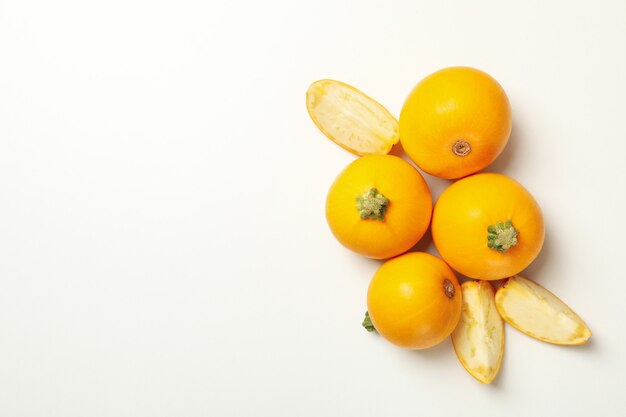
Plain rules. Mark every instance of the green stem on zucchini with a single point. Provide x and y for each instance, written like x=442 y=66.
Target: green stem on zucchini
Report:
x=372 y=205
x=501 y=236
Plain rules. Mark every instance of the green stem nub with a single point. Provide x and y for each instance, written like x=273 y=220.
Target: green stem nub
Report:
x=501 y=236
x=367 y=323
x=372 y=205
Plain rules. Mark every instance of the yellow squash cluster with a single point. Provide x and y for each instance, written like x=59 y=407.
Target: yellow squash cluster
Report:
x=485 y=226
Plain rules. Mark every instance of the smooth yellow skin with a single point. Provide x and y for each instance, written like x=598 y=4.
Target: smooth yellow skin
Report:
x=464 y=212
x=406 y=219
x=407 y=301
x=452 y=104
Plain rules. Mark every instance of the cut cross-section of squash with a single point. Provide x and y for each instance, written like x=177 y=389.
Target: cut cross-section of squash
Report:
x=537 y=312
x=351 y=119
x=478 y=339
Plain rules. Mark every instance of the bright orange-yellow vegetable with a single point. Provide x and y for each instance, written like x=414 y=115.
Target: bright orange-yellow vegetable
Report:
x=379 y=206
x=487 y=226
x=414 y=300
x=455 y=122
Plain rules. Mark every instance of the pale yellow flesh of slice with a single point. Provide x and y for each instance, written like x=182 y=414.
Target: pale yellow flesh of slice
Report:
x=351 y=119
x=478 y=339
x=537 y=312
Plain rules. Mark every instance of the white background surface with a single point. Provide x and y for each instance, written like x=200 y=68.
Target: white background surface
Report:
x=163 y=246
